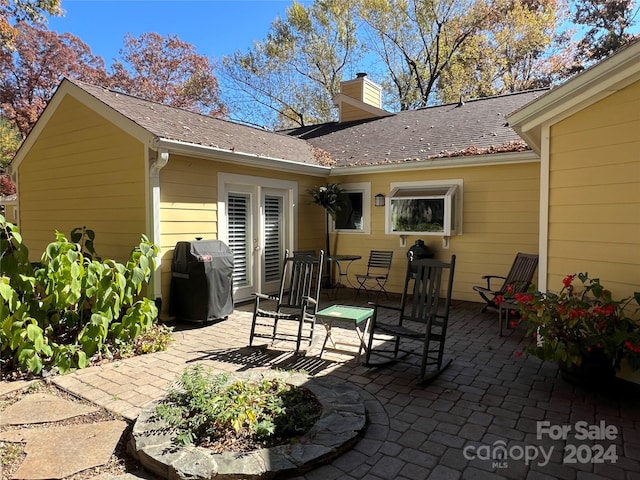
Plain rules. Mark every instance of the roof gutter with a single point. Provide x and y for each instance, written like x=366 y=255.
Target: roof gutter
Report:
x=441 y=162
x=241 y=158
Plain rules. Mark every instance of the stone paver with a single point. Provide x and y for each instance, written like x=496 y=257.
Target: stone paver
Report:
x=58 y=452
x=41 y=408
x=487 y=402
x=8 y=387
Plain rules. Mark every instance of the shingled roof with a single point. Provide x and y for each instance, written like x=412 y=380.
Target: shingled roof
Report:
x=171 y=123
x=471 y=128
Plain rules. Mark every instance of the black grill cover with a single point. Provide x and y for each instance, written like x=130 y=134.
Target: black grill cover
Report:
x=201 y=281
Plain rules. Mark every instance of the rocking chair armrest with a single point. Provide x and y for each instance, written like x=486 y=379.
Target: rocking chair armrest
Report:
x=264 y=296
x=311 y=301
x=375 y=305
x=488 y=278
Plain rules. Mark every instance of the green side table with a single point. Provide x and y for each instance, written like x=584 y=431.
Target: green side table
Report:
x=359 y=316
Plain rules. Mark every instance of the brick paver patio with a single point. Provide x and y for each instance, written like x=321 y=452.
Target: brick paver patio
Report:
x=481 y=419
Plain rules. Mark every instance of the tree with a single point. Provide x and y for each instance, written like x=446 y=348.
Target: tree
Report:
x=608 y=22
x=293 y=75
x=510 y=54
x=418 y=40
x=10 y=139
x=28 y=11
x=30 y=74
x=167 y=70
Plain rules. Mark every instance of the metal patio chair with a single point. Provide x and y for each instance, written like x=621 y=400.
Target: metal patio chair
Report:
x=378 y=268
x=295 y=305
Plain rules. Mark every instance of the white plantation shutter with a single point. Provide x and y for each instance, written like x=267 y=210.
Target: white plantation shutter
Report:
x=273 y=244
x=239 y=241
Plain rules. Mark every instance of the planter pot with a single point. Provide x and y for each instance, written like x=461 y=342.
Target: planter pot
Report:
x=595 y=371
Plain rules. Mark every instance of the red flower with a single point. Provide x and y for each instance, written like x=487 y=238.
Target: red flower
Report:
x=518 y=354
x=576 y=313
x=606 y=310
x=499 y=299
x=567 y=281
x=523 y=297
x=509 y=288
x=513 y=323
x=631 y=346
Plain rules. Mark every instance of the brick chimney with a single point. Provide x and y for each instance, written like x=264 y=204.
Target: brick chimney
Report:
x=359 y=98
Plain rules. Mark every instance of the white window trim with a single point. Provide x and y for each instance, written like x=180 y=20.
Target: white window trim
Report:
x=365 y=189
x=455 y=229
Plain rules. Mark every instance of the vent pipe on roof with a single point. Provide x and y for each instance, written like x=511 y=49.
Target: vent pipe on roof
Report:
x=361 y=75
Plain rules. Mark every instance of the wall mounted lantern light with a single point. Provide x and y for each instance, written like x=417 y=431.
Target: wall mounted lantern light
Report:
x=379 y=199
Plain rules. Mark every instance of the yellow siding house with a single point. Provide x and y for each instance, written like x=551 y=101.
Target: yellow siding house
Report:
x=587 y=133
x=554 y=172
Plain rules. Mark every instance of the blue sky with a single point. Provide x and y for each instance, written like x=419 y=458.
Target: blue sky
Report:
x=214 y=27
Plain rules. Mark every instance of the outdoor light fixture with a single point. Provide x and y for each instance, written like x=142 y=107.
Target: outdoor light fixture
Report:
x=380 y=200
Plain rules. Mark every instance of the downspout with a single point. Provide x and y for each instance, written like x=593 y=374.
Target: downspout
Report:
x=545 y=184
x=158 y=164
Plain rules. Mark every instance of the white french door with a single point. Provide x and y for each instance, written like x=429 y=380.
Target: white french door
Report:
x=257 y=224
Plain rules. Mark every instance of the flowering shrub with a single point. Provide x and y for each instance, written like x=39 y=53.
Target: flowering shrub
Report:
x=580 y=320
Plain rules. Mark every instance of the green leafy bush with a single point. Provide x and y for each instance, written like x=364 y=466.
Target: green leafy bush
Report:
x=205 y=408
x=69 y=307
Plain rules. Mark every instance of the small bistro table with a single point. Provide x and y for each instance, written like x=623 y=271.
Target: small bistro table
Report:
x=343 y=272
x=359 y=316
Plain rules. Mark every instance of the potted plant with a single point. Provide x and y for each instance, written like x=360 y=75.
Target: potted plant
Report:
x=582 y=328
x=331 y=198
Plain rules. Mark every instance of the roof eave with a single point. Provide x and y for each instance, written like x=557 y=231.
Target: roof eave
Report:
x=586 y=88
x=241 y=158
x=441 y=162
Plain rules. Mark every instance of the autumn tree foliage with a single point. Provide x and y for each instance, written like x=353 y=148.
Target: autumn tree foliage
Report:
x=167 y=70
x=518 y=49
x=10 y=139
x=421 y=52
x=608 y=24
x=13 y=12
x=290 y=78
x=30 y=74
x=6 y=185
x=418 y=40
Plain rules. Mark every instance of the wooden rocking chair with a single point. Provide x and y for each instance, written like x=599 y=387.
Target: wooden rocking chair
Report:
x=295 y=304
x=419 y=325
x=519 y=278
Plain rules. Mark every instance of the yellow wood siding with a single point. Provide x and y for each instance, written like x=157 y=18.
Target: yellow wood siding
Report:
x=594 y=206
x=362 y=91
x=371 y=95
x=189 y=206
x=349 y=113
x=500 y=218
x=83 y=171
x=353 y=89
x=11 y=213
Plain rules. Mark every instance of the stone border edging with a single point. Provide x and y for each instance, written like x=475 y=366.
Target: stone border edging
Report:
x=342 y=421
